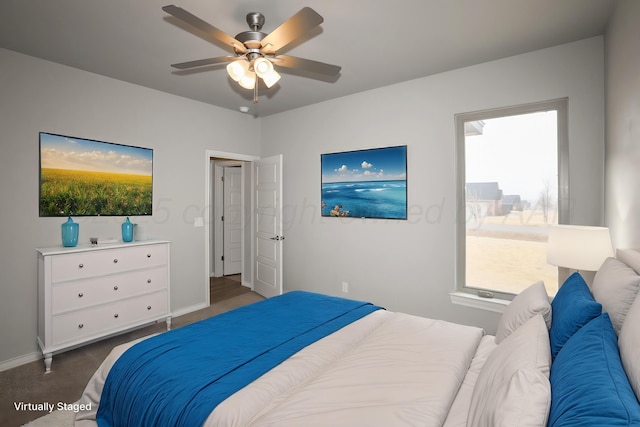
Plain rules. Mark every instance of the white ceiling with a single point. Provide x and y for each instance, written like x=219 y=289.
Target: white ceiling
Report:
x=377 y=42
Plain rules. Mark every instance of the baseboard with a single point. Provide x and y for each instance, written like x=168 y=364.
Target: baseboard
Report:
x=20 y=360
x=187 y=310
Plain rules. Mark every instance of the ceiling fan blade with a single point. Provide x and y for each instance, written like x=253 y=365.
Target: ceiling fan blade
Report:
x=306 y=65
x=291 y=29
x=209 y=32
x=203 y=62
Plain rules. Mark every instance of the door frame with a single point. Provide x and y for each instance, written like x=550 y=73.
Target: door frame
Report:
x=209 y=203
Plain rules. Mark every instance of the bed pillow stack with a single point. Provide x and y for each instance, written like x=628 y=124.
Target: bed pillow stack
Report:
x=596 y=366
x=513 y=386
x=590 y=386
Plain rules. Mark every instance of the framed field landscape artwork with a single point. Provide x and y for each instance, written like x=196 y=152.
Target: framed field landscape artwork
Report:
x=83 y=177
x=365 y=183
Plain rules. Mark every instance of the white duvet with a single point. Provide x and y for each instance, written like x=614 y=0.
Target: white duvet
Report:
x=386 y=369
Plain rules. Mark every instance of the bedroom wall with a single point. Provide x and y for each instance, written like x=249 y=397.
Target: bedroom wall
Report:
x=623 y=125
x=409 y=265
x=39 y=96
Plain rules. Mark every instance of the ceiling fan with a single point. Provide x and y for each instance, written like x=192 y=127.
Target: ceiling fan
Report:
x=256 y=53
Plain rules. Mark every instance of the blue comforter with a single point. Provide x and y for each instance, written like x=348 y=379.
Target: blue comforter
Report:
x=179 y=377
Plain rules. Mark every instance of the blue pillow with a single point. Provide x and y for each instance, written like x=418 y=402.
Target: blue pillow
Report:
x=589 y=386
x=571 y=308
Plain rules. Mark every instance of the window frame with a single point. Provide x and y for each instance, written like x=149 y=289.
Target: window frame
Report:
x=561 y=107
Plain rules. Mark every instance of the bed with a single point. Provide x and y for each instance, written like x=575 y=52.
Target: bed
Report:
x=323 y=360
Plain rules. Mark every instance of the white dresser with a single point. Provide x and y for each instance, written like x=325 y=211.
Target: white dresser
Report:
x=89 y=292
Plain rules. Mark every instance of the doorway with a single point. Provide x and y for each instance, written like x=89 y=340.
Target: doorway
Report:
x=252 y=246
x=228 y=217
x=215 y=162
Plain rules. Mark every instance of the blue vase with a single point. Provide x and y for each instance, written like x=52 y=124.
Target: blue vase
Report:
x=127 y=231
x=70 y=233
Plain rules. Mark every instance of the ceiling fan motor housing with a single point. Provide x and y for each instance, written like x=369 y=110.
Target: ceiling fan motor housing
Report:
x=252 y=39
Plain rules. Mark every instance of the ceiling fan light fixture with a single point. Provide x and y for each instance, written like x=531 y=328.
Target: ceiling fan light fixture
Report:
x=264 y=69
x=248 y=81
x=237 y=70
x=271 y=78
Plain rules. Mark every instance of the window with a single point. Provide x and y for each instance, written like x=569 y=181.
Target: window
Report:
x=512 y=183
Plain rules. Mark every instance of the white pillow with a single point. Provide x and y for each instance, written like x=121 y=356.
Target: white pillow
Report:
x=524 y=400
x=629 y=345
x=533 y=300
x=631 y=257
x=513 y=386
x=615 y=286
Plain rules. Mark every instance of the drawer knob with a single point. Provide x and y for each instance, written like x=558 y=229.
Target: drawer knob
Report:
x=115 y=288
x=148 y=255
x=148 y=307
x=80 y=295
x=81 y=325
x=148 y=280
x=115 y=260
x=115 y=315
x=80 y=265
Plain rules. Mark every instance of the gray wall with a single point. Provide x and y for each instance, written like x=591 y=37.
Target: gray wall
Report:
x=409 y=265
x=623 y=125
x=42 y=96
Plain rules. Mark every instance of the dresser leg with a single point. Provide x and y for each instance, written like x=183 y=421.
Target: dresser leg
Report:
x=47 y=362
x=168 y=323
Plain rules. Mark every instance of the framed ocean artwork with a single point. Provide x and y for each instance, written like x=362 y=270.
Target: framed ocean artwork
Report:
x=368 y=183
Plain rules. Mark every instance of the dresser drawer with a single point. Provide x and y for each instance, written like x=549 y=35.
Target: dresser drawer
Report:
x=106 y=261
x=81 y=293
x=108 y=318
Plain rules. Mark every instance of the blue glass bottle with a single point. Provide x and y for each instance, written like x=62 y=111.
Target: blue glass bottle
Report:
x=127 y=231
x=70 y=233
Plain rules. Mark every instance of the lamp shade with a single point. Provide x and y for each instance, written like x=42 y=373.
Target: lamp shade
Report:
x=578 y=247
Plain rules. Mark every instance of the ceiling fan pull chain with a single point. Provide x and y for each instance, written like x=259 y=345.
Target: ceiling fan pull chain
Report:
x=255 y=91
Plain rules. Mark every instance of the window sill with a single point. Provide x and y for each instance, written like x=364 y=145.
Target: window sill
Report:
x=469 y=300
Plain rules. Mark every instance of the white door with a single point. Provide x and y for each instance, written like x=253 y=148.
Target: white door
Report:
x=232 y=220
x=268 y=226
